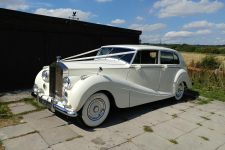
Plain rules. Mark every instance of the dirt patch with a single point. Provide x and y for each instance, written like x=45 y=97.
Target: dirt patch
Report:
x=98 y=141
x=10 y=121
x=2 y=148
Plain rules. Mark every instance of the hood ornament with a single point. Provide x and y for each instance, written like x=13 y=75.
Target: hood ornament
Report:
x=58 y=58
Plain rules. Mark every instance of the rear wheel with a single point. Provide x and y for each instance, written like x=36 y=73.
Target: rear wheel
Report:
x=95 y=110
x=179 y=93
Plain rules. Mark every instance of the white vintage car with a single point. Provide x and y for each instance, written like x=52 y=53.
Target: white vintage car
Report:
x=120 y=75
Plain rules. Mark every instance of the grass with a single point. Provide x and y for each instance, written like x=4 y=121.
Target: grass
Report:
x=199 y=124
x=190 y=56
x=174 y=116
x=147 y=129
x=4 y=111
x=207 y=74
x=204 y=138
x=70 y=139
x=205 y=118
x=202 y=101
x=1 y=146
x=6 y=116
x=212 y=94
x=33 y=102
x=10 y=121
x=173 y=141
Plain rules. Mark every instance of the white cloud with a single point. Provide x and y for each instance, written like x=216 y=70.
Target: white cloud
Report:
x=139 y=18
x=170 y=8
x=220 y=25
x=177 y=34
x=64 y=13
x=14 y=4
x=103 y=1
x=198 y=24
x=223 y=32
x=148 y=38
x=148 y=27
x=184 y=34
x=203 y=32
x=118 y=21
x=203 y=24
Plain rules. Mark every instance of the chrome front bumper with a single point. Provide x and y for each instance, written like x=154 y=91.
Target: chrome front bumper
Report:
x=54 y=105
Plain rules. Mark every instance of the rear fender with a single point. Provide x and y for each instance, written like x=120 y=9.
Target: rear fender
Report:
x=181 y=76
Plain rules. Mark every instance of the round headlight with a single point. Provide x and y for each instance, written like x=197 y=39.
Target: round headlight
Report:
x=45 y=75
x=67 y=83
x=35 y=89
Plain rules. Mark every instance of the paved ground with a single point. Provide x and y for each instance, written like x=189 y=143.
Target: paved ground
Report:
x=15 y=96
x=157 y=126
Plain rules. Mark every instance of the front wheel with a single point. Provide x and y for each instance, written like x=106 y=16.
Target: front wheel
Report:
x=179 y=93
x=95 y=110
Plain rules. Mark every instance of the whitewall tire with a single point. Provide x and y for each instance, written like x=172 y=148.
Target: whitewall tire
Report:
x=179 y=91
x=95 y=110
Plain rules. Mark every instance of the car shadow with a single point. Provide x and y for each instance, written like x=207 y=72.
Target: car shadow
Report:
x=120 y=115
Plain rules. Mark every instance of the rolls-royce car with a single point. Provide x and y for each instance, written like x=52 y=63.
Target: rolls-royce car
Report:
x=120 y=75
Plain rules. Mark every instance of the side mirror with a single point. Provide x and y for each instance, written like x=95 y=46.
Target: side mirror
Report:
x=137 y=67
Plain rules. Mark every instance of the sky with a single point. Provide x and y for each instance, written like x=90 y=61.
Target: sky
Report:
x=161 y=21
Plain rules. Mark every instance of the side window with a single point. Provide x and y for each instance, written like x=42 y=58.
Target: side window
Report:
x=146 y=57
x=176 y=59
x=169 y=58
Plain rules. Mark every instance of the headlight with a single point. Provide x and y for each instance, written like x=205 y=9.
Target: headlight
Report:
x=67 y=83
x=45 y=75
x=35 y=89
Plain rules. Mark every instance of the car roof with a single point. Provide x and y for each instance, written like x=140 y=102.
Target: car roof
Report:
x=140 y=47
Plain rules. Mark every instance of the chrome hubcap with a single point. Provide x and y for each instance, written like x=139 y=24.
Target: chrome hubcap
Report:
x=180 y=90
x=96 y=109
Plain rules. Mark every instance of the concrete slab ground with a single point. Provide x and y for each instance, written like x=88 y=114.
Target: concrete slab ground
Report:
x=58 y=134
x=20 y=107
x=163 y=125
x=15 y=96
x=29 y=142
x=15 y=131
x=46 y=123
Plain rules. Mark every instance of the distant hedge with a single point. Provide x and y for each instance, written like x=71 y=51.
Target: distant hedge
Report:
x=213 y=49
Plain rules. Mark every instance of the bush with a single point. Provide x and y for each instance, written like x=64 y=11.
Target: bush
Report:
x=210 y=62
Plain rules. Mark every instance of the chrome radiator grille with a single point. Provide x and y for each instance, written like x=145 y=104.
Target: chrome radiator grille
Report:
x=56 y=80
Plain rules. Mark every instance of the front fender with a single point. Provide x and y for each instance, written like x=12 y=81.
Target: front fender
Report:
x=83 y=89
x=39 y=83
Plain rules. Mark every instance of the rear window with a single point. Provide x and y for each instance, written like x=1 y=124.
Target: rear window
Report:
x=169 y=58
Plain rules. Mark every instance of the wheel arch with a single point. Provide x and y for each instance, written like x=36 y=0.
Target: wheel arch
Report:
x=109 y=95
x=182 y=76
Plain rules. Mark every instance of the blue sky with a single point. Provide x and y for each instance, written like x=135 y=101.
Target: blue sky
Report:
x=168 y=21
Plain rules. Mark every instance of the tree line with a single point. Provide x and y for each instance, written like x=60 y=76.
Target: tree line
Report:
x=213 y=49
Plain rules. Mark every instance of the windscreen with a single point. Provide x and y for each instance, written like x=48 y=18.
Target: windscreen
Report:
x=113 y=50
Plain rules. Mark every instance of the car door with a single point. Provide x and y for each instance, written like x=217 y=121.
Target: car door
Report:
x=144 y=75
x=169 y=61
